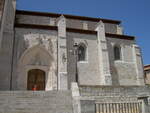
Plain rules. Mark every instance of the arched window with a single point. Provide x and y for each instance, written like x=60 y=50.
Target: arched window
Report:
x=81 y=52
x=117 y=52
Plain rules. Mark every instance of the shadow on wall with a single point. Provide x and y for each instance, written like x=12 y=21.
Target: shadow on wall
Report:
x=115 y=77
x=71 y=65
x=113 y=69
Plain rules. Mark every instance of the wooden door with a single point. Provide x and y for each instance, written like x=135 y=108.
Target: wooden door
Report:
x=36 y=80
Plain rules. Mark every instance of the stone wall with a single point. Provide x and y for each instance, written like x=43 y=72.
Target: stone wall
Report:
x=147 y=77
x=110 y=28
x=108 y=97
x=34 y=49
x=88 y=71
x=70 y=23
x=38 y=20
x=124 y=70
x=114 y=91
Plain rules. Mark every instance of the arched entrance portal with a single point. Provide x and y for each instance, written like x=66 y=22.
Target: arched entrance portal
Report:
x=36 y=80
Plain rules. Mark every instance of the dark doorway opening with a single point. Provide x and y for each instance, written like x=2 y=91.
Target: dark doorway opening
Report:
x=36 y=80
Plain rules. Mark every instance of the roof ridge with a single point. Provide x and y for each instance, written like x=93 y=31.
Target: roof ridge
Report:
x=147 y=65
x=67 y=16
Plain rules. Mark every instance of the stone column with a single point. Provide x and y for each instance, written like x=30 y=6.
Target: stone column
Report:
x=7 y=17
x=62 y=54
x=138 y=65
x=7 y=44
x=76 y=98
x=104 y=65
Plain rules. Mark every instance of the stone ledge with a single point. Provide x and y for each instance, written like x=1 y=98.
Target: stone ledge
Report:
x=110 y=91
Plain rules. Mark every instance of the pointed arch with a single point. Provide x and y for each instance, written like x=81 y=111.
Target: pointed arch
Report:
x=82 y=52
x=36 y=55
x=35 y=58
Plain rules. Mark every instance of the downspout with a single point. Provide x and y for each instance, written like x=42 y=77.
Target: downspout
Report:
x=57 y=61
x=12 y=60
x=13 y=50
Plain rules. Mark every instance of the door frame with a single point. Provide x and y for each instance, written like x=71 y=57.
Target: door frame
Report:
x=43 y=68
x=32 y=73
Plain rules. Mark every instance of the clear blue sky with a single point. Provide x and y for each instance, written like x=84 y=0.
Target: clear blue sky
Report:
x=134 y=14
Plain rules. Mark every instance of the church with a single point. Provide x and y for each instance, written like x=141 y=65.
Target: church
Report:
x=86 y=63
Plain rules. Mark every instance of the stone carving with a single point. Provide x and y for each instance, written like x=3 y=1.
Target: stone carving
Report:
x=64 y=59
x=39 y=39
x=36 y=60
x=50 y=45
x=108 y=80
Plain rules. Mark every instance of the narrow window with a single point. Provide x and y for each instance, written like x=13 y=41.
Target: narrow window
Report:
x=117 y=53
x=81 y=52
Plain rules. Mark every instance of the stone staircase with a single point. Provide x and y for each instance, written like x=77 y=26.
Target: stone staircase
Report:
x=36 y=102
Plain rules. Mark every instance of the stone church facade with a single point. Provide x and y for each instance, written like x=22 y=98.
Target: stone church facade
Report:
x=57 y=52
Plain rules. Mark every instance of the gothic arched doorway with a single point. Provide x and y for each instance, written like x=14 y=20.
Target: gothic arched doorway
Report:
x=36 y=80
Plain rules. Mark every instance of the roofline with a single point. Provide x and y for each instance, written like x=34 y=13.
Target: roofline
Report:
x=127 y=37
x=67 y=16
x=48 y=27
x=34 y=26
x=147 y=67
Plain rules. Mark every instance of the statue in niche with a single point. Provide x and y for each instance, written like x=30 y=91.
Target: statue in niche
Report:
x=50 y=45
x=39 y=39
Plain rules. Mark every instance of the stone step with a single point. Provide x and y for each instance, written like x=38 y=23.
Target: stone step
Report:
x=35 y=102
